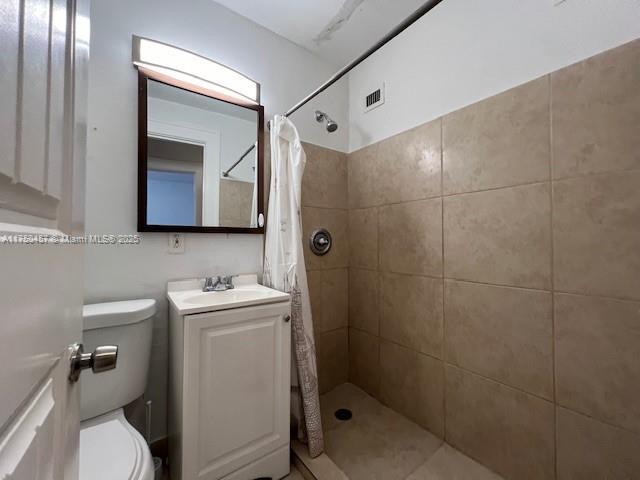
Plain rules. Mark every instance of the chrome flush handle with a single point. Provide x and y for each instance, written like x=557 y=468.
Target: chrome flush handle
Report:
x=102 y=359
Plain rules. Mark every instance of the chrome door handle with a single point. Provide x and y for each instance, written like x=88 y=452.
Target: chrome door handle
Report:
x=102 y=359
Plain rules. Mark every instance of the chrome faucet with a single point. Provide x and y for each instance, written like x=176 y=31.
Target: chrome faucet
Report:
x=218 y=283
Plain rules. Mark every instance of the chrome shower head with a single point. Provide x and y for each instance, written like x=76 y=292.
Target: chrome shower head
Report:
x=331 y=125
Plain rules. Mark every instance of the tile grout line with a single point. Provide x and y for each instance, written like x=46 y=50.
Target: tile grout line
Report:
x=552 y=270
x=443 y=195
x=462 y=280
x=503 y=285
x=342 y=209
x=348 y=375
x=599 y=420
x=498 y=382
x=596 y=174
x=411 y=349
x=347 y=160
x=444 y=318
x=378 y=301
x=498 y=285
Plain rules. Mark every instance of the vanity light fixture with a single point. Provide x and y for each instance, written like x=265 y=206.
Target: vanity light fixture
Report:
x=194 y=70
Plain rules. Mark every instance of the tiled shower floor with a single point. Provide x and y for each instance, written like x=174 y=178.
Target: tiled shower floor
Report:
x=294 y=474
x=378 y=443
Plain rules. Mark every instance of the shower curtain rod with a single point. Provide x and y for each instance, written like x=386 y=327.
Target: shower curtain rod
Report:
x=226 y=173
x=342 y=72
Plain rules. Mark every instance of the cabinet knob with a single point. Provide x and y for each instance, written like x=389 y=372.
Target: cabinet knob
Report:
x=286 y=318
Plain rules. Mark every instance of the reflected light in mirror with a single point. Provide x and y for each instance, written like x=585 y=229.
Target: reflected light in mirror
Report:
x=192 y=68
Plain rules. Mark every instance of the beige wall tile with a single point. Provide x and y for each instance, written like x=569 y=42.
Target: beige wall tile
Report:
x=411 y=237
x=332 y=350
x=364 y=361
x=413 y=385
x=363 y=166
x=329 y=294
x=402 y=168
x=596 y=113
x=509 y=431
x=499 y=236
x=324 y=183
x=314 y=282
x=409 y=164
x=363 y=238
x=502 y=333
x=597 y=235
x=235 y=204
x=411 y=312
x=597 y=352
x=334 y=220
x=591 y=450
x=364 y=311
x=498 y=142
x=335 y=299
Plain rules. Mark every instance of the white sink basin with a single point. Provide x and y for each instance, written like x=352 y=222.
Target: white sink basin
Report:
x=235 y=295
x=187 y=296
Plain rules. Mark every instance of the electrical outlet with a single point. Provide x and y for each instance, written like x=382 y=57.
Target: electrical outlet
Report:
x=176 y=243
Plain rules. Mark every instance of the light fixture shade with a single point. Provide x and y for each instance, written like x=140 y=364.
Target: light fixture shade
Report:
x=191 y=68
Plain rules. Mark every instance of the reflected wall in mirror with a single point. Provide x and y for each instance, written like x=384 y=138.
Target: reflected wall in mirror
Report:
x=201 y=161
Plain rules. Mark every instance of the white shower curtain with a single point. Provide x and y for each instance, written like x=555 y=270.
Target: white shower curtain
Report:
x=284 y=270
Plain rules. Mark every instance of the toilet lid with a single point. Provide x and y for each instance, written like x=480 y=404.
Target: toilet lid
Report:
x=111 y=449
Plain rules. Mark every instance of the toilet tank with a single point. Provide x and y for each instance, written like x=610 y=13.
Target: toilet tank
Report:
x=128 y=325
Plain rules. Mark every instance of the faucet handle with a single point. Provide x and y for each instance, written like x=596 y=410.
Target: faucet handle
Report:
x=228 y=280
x=210 y=283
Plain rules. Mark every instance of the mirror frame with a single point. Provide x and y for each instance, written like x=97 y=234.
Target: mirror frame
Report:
x=143 y=226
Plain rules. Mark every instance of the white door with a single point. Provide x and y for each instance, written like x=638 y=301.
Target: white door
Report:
x=44 y=46
x=236 y=390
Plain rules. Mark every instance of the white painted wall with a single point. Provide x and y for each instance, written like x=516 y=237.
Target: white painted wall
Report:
x=287 y=73
x=467 y=50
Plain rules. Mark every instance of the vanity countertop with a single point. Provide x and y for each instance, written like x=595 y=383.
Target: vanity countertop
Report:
x=187 y=296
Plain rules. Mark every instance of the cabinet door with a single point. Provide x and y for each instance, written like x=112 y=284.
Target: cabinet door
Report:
x=236 y=388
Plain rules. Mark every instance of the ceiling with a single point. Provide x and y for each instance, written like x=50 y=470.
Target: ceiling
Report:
x=336 y=30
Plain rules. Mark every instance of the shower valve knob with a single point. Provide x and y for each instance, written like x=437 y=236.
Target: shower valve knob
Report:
x=320 y=242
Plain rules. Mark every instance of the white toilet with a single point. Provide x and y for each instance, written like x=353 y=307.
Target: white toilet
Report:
x=110 y=448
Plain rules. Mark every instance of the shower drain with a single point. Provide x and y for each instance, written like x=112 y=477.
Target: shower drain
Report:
x=343 y=414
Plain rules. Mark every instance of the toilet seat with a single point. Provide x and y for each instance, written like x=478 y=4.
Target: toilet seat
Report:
x=111 y=449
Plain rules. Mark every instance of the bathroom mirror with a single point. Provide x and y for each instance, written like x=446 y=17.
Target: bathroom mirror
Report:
x=200 y=166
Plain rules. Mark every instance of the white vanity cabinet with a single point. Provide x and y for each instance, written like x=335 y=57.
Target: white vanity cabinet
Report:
x=229 y=390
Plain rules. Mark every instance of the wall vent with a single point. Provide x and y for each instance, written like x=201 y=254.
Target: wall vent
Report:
x=374 y=99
